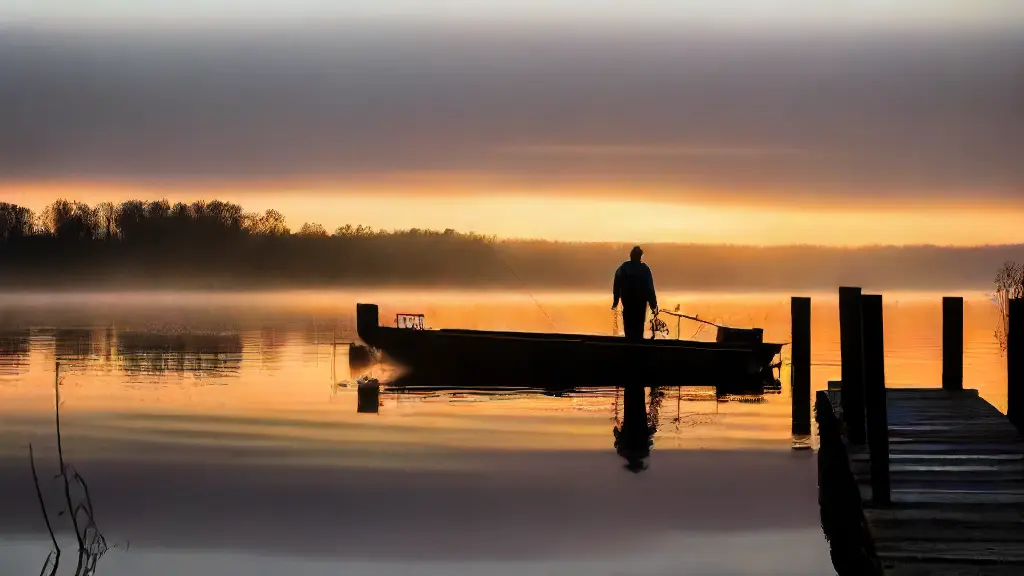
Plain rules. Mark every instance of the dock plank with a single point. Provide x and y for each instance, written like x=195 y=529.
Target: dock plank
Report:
x=957 y=486
x=931 y=569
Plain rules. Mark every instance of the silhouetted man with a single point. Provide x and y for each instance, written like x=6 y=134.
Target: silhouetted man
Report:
x=634 y=285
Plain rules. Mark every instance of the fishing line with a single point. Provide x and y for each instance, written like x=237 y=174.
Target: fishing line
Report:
x=521 y=284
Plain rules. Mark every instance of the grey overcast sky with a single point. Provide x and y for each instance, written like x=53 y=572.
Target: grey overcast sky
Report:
x=754 y=13
x=913 y=103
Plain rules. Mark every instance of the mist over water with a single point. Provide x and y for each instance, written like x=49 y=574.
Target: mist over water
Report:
x=216 y=426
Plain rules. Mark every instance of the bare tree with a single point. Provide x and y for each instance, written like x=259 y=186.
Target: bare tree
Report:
x=270 y=223
x=74 y=221
x=106 y=220
x=313 y=230
x=1009 y=285
x=15 y=221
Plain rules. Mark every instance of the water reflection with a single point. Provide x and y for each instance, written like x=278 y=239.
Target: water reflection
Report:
x=14 y=353
x=202 y=355
x=129 y=352
x=282 y=459
x=368 y=397
x=81 y=343
x=277 y=380
x=636 y=413
x=147 y=391
x=634 y=437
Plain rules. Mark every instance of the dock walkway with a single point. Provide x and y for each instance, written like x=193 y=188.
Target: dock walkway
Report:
x=956 y=470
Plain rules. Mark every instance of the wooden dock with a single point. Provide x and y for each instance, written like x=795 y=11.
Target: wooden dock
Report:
x=920 y=481
x=957 y=486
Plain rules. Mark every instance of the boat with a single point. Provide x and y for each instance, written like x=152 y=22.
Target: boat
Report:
x=738 y=359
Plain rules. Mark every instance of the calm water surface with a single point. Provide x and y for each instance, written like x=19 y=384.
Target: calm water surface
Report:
x=219 y=433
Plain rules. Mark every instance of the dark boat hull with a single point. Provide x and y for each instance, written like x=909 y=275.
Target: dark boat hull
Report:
x=523 y=358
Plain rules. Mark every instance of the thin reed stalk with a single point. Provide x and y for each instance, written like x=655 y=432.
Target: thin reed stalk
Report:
x=53 y=557
x=92 y=545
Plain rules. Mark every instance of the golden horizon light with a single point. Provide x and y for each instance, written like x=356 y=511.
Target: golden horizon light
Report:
x=576 y=216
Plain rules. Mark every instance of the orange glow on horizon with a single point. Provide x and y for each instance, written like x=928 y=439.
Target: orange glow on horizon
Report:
x=590 y=214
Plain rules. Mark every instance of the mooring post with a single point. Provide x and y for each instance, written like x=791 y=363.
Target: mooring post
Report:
x=851 y=345
x=1015 y=363
x=800 y=375
x=874 y=397
x=952 y=343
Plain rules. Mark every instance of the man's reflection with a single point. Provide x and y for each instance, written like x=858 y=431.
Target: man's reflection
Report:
x=634 y=438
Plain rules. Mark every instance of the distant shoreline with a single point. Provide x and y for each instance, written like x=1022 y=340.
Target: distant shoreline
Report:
x=669 y=294
x=218 y=246
x=532 y=279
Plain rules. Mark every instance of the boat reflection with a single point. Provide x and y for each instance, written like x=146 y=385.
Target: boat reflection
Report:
x=637 y=408
x=367 y=396
x=414 y=383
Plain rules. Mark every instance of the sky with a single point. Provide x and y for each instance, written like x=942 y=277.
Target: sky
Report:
x=738 y=122
x=746 y=12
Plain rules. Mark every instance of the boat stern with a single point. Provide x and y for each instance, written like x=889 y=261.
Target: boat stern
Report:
x=739 y=335
x=367 y=322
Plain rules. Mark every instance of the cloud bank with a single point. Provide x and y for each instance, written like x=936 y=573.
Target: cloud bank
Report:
x=851 y=118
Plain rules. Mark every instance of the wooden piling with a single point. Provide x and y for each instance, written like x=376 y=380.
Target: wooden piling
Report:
x=1015 y=363
x=851 y=346
x=874 y=398
x=800 y=374
x=960 y=493
x=953 y=343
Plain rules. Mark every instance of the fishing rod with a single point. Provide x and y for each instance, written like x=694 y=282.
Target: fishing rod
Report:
x=694 y=318
x=658 y=325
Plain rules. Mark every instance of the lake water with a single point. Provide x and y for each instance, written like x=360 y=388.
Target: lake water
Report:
x=219 y=433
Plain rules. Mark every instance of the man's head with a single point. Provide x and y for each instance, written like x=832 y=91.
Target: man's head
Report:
x=636 y=254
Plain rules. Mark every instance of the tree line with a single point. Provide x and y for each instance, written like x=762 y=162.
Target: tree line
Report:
x=218 y=244
x=213 y=243
x=145 y=221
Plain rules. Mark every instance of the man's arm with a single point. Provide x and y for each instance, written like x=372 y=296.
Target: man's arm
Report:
x=616 y=287
x=650 y=290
